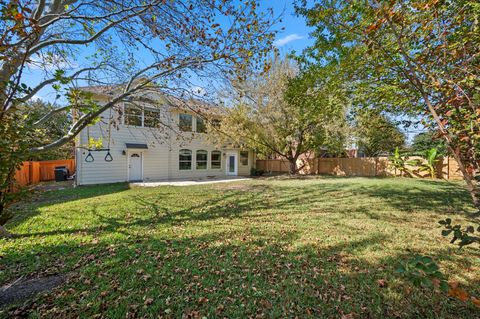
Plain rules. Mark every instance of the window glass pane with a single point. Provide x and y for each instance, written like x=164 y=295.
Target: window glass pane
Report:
x=151 y=118
x=216 y=160
x=185 y=160
x=202 y=159
x=231 y=163
x=185 y=122
x=201 y=127
x=244 y=158
x=215 y=123
x=133 y=116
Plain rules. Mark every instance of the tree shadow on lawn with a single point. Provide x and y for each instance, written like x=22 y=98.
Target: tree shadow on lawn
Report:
x=233 y=274
x=267 y=201
x=28 y=208
x=420 y=195
x=229 y=273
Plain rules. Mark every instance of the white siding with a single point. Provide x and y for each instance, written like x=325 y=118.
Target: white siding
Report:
x=160 y=160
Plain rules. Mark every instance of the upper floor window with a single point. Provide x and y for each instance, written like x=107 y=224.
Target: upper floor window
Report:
x=151 y=118
x=142 y=117
x=133 y=116
x=185 y=122
x=244 y=158
x=201 y=127
x=202 y=159
x=185 y=160
x=215 y=123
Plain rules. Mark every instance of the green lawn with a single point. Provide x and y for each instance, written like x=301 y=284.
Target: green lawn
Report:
x=314 y=247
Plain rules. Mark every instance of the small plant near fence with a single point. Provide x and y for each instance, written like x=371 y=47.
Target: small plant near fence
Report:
x=429 y=163
x=423 y=271
x=398 y=162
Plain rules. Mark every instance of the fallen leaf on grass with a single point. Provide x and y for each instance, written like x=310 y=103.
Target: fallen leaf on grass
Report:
x=459 y=294
x=148 y=301
x=382 y=283
x=476 y=302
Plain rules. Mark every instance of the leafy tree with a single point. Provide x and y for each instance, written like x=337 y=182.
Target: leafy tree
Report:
x=415 y=57
x=49 y=131
x=128 y=47
x=283 y=112
x=377 y=134
x=425 y=141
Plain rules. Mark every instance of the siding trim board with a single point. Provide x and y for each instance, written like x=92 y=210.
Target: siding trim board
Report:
x=136 y=146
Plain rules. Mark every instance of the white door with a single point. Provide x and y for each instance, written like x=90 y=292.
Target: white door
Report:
x=135 y=167
x=231 y=164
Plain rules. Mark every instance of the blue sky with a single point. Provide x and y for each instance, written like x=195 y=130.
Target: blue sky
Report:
x=294 y=37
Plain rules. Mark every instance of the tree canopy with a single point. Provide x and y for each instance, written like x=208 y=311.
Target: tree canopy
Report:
x=425 y=141
x=409 y=57
x=377 y=134
x=284 y=113
x=133 y=46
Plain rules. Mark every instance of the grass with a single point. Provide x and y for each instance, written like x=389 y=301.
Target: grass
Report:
x=313 y=247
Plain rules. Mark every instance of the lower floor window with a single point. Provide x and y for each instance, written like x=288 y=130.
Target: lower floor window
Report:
x=185 y=160
x=244 y=158
x=216 y=160
x=202 y=159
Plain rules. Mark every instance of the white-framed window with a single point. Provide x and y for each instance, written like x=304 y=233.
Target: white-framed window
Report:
x=133 y=116
x=215 y=123
x=244 y=158
x=185 y=122
x=216 y=160
x=202 y=159
x=151 y=118
x=141 y=117
x=185 y=160
x=201 y=127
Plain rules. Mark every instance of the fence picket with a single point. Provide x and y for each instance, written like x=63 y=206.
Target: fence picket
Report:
x=35 y=172
x=361 y=166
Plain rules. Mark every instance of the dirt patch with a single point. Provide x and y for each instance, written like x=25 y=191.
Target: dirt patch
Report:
x=24 y=289
x=53 y=186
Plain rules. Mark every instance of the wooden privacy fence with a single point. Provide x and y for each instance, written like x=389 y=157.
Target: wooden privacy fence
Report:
x=447 y=167
x=36 y=172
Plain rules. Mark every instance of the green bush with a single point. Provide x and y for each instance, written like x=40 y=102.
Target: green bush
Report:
x=256 y=172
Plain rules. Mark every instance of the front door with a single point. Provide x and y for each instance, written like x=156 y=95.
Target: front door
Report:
x=231 y=164
x=135 y=167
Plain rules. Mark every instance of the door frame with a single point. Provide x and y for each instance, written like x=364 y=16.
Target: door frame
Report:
x=227 y=157
x=129 y=153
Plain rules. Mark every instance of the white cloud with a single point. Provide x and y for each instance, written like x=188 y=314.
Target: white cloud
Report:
x=198 y=91
x=287 y=39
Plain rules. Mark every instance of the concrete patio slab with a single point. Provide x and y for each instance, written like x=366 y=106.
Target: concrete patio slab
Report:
x=190 y=182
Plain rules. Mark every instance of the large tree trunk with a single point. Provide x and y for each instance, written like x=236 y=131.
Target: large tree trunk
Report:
x=292 y=169
x=4 y=217
x=474 y=190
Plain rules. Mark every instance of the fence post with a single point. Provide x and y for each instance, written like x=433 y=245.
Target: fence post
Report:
x=448 y=167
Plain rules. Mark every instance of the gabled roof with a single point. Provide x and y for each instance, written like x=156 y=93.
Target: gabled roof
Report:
x=179 y=104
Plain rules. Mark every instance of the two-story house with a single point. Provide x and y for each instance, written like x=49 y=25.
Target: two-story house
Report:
x=165 y=142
